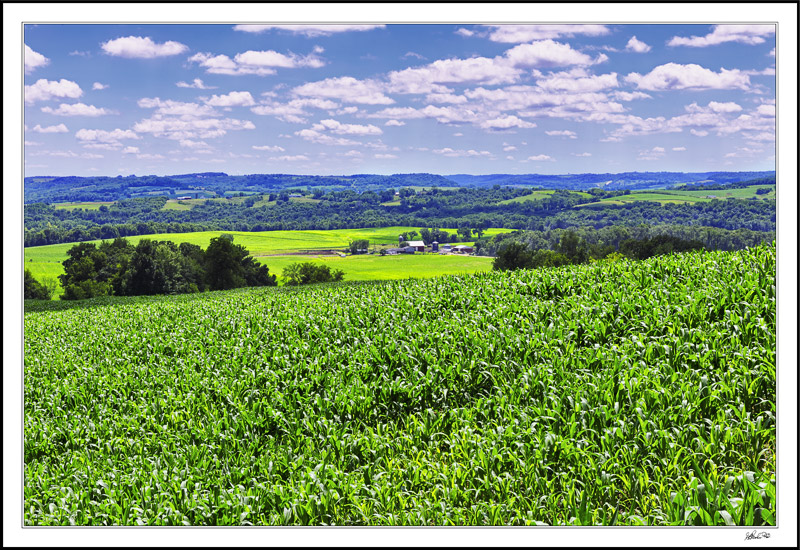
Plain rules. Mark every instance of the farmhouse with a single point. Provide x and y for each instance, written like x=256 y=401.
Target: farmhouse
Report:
x=419 y=246
x=463 y=249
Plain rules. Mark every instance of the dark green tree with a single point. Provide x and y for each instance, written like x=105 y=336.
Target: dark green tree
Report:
x=34 y=290
x=513 y=255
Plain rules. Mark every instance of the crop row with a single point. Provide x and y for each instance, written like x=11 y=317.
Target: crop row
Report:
x=618 y=392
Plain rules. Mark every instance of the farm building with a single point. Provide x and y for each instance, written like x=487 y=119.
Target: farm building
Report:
x=419 y=246
x=184 y=198
x=402 y=250
x=463 y=249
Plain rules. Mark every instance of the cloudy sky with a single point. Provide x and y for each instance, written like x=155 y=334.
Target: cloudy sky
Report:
x=343 y=99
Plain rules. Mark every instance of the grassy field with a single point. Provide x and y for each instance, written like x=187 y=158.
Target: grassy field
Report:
x=539 y=194
x=616 y=393
x=45 y=261
x=682 y=197
x=84 y=205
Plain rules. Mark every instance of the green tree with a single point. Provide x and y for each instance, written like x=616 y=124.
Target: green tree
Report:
x=513 y=255
x=34 y=290
x=358 y=244
x=573 y=247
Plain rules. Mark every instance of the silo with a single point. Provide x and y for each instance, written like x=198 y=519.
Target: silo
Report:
x=435 y=246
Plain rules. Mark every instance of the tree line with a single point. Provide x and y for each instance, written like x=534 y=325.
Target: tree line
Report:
x=119 y=268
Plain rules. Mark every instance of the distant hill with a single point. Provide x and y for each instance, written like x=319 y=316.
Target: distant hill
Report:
x=204 y=184
x=626 y=180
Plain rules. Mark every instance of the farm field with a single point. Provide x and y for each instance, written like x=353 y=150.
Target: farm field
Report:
x=628 y=393
x=681 y=197
x=539 y=194
x=84 y=205
x=45 y=261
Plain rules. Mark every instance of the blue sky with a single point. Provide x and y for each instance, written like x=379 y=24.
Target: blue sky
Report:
x=343 y=99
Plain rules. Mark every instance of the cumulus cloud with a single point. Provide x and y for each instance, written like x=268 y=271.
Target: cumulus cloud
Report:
x=698 y=133
x=430 y=78
x=630 y=96
x=336 y=127
x=539 y=158
x=548 y=53
x=251 y=62
x=465 y=32
x=190 y=127
x=316 y=136
x=99 y=86
x=448 y=152
x=183 y=109
x=636 y=45
x=57 y=129
x=78 y=109
x=581 y=154
x=714 y=106
x=33 y=60
x=270 y=148
x=43 y=90
x=578 y=82
x=192 y=144
x=142 y=47
x=289 y=158
x=233 y=99
x=384 y=156
x=745 y=34
x=295 y=110
x=105 y=136
x=506 y=123
x=196 y=83
x=308 y=30
x=394 y=122
x=679 y=148
x=563 y=133
x=346 y=89
x=673 y=76
x=526 y=33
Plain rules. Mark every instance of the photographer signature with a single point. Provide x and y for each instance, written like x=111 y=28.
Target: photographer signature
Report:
x=753 y=535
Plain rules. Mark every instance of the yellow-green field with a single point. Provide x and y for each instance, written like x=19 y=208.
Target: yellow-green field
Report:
x=86 y=205
x=539 y=194
x=269 y=248
x=681 y=197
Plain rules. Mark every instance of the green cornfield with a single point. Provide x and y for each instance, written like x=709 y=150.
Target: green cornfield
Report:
x=614 y=393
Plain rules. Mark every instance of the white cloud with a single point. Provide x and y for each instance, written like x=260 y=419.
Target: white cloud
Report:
x=196 y=83
x=346 y=89
x=465 y=32
x=630 y=96
x=385 y=156
x=104 y=136
x=564 y=133
x=547 y=53
x=448 y=152
x=506 y=123
x=679 y=148
x=445 y=98
x=177 y=108
x=526 y=33
x=192 y=144
x=576 y=83
x=394 y=122
x=698 y=133
x=308 y=30
x=251 y=62
x=766 y=110
x=33 y=60
x=582 y=154
x=538 y=158
x=270 y=148
x=99 y=86
x=772 y=53
x=353 y=154
x=316 y=136
x=293 y=111
x=77 y=109
x=190 y=127
x=31 y=143
x=636 y=45
x=57 y=129
x=430 y=78
x=673 y=76
x=149 y=156
x=142 y=47
x=655 y=153
x=233 y=99
x=746 y=34
x=509 y=148
x=43 y=90
x=289 y=158
x=336 y=127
